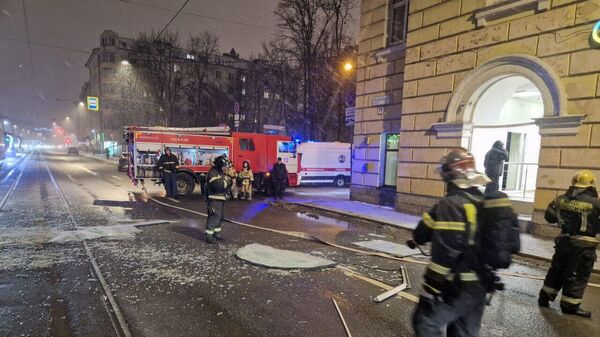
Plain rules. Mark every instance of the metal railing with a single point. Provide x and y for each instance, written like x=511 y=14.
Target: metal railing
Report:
x=519 y=177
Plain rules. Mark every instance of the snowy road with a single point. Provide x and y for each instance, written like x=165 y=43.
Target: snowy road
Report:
x=168 y=282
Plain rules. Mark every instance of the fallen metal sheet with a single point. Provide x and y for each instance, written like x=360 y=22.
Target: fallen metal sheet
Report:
x=281 y=259
x=99 y=232
x=387 y=247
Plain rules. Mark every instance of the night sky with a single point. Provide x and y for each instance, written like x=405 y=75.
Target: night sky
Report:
x=40 y=82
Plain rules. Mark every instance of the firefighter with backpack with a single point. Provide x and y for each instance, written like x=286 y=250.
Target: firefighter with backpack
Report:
x=461 y=271
x=577 y=214
x=218 y=185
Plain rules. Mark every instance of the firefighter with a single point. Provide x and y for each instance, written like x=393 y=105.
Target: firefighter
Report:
x=576 y=212
x=247 y=177
x=454 y=295
x=167 y=164
x=494 y=165
x=279 y=175
x=232 y=174
x=218 y=185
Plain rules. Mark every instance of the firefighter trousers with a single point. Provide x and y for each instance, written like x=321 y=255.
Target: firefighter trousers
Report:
x=216 y=214
x=460 y=315
x=170 y=180
x=570 y=270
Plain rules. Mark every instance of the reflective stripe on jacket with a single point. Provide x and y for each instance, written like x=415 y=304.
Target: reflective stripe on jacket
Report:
x=451 y=227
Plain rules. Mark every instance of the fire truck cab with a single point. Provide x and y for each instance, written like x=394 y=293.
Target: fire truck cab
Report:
x=197 y=147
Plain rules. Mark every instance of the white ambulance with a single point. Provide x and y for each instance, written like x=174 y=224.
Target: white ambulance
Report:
x=320 y=163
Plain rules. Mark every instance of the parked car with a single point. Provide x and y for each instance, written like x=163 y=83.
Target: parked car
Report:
x=123 y=162
x=73 y=150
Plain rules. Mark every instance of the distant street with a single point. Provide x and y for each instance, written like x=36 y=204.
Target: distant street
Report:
x=167 y=281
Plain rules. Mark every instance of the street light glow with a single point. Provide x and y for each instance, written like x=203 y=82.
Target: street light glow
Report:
x=68 y=118
x=125 y=62
x=348 y=66
x=81 y=104
x=5 y=121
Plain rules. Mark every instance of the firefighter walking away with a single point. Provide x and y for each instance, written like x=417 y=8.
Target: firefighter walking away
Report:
x=217 y=189
x=576 y=213
x=454 y=289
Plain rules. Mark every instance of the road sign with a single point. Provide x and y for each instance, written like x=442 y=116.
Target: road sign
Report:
x=236 y=108
x=350 y=116
x=236 y=124
x=93 y=103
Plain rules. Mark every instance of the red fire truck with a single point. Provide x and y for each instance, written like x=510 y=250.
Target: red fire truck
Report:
x=196 y=147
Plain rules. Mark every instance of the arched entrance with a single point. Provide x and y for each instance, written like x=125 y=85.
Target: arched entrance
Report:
x=504 y=109
x=498 y=101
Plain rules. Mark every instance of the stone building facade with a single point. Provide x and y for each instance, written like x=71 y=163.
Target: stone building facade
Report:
x=470 y=72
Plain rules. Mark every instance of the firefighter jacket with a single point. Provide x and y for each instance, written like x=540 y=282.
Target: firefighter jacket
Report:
x=167 y=163
x=231 y=173
x=280 y=172
x=246 y=176
x=576 y=213
x=451 y=227
x=218 y=185
x=494 y=161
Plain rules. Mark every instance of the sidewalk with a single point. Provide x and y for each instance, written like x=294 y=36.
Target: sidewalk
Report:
x=531 y=246
x=100 y=157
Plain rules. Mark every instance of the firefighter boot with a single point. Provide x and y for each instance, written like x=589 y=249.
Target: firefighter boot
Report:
x=544 y=299
x=218 y=235
x=243 y=196
x=577 y=311
x=209 y=238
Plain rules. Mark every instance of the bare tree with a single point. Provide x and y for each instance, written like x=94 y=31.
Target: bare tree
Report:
x=160 y=57
x=203 y=49
x=314 y=32
x=304 y=26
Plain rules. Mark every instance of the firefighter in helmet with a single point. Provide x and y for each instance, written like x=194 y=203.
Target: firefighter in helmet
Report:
x=247 y=177
x=453 y=296
x=576 y=213
x=218 y=186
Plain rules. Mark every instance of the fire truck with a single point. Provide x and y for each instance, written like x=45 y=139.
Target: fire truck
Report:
x=197 y=147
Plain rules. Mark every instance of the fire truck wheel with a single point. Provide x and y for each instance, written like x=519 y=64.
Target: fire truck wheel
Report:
x=185 y=184
x=340 y=181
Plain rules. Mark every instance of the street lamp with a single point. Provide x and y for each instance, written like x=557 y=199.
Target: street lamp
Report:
x=125 y=62
x=68 y=118
x=81 y=104
x=348 y=66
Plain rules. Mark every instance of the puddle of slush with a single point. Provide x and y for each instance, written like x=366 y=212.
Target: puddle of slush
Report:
x=323 y=220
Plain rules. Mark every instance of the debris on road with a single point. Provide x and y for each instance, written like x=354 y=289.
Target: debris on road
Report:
x=281 y=259
x=403 y=286
x=341 y=317
x=91 y=233
x=395 y=249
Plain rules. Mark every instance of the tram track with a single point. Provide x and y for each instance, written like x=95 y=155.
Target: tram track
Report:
x=18 y=167
x=112 y=308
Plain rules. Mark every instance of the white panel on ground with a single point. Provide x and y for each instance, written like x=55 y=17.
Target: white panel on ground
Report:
x=387 y=247
x=281 y=259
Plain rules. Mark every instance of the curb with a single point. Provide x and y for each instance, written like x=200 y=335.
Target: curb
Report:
x=596 y=269
x=350 y=214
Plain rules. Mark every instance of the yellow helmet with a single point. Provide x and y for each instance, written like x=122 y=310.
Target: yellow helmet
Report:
x=584 y=179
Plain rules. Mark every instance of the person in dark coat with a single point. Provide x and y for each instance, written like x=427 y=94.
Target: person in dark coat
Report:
x=280 y=176
x=577 y=213
x=167 y=164
x=494 y=165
